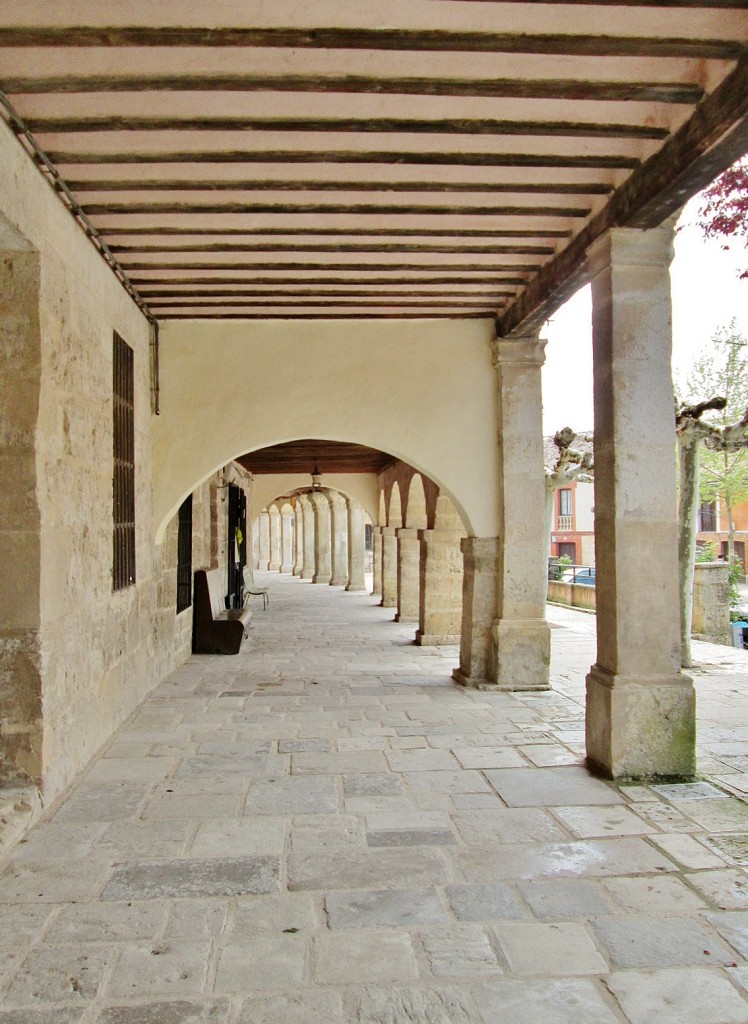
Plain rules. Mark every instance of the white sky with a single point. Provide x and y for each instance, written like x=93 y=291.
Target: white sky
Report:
x=707 y=294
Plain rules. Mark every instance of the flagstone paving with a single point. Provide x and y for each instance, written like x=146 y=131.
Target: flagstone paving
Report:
x=324 y=828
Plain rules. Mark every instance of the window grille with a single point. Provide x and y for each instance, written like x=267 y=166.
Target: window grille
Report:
x=184 y=556
x=123 y=482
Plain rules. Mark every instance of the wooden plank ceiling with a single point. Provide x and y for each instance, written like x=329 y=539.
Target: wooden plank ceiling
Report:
x=328 y=456
x=336 y=158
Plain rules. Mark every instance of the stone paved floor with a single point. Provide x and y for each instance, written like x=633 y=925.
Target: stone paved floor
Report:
x=325 y=830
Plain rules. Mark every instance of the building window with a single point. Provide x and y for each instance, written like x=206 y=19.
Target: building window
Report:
x=123 y=483
x=564 y=501
x=184 y=556
x=707 y=517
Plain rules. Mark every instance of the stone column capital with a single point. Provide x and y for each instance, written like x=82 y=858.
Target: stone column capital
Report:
x=632 y=247
x=526 y=350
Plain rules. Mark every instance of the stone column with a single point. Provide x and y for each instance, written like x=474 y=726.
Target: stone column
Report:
x=356 y=546
x=307 y=511
x=640 y=707
x=522 y=636
x=339 y=529
x=440 y=605
x=298 y=563
x=408 y=575
x=264 y=537
x=322 y=553
x=287 y=545
x=275 y=540
x=389 y=567
x=479 y=586
x=377 y=560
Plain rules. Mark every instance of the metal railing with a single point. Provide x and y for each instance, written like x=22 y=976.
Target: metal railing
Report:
x=566 y=572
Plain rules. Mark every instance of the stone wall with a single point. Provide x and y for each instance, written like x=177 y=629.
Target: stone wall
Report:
x=75 y=658
x=710 y=619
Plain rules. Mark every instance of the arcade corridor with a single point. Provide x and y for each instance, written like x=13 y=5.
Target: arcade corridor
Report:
x=326 y=828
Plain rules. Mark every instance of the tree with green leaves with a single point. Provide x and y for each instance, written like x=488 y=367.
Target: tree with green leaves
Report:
x=712 y=431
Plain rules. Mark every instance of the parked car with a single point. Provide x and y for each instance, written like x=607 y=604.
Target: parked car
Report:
x=584 y=574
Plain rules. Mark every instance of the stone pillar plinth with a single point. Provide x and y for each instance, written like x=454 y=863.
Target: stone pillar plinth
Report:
x=287 y=538
x=440 y=606
x=640 y=707
x=307 y=512
x=275 y=540
x=377 y=560
x=710 y=618
x=356 y=547
x=264 y=541
x=298 y=563
x=477 y=644
x=522 y=637
x=389 y=567
x=322 y=547
x=408 y=575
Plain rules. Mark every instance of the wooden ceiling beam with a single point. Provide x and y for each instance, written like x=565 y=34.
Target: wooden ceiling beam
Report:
x=324 y=266
x=611 y=161
x=490 y=88
x=711 y=140
x=401 y=40
x=429 y=232
x=286 y=185
x=352 y=282
x=313 y=247
x=375 y=125
x=356 y=209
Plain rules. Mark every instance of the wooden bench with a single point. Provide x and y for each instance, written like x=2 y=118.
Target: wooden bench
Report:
x=215 y=628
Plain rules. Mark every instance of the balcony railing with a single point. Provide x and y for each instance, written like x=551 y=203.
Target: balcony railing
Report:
x=564 y=523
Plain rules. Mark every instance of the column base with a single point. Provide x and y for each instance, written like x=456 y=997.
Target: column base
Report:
x=436 y=639
x=640 y=728
x=306 y=574
x=406 y=618
x=286 y=568
x=339 y=582
x=320 y=579
x=389 y=603
x=355 y=590
x=262 y=566
x=472 y=682
x=274 y=567
x=523 y=654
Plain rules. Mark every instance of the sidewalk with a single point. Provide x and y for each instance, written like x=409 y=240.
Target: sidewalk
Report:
x=326 y=829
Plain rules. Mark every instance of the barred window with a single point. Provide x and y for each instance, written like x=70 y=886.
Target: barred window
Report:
x=123 y=449
x=184 y=556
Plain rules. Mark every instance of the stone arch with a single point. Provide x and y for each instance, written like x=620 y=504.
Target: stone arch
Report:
x=404 y=415
x=416 y=516
x=395 y=507
x=446 y=516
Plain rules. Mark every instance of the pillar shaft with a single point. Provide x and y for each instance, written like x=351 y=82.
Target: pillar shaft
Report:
x=339 y=549
x=377 y=560
x=440 y=605
x=322 y=552
x=356 y=547
x=298 y=563
x=307 y=511
x=640 y=707
x=522 y=636
x=264 y=541
x=408 y=575
x=275 y=541
x=389 y=567
x=287 y=538
x=477 y=643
